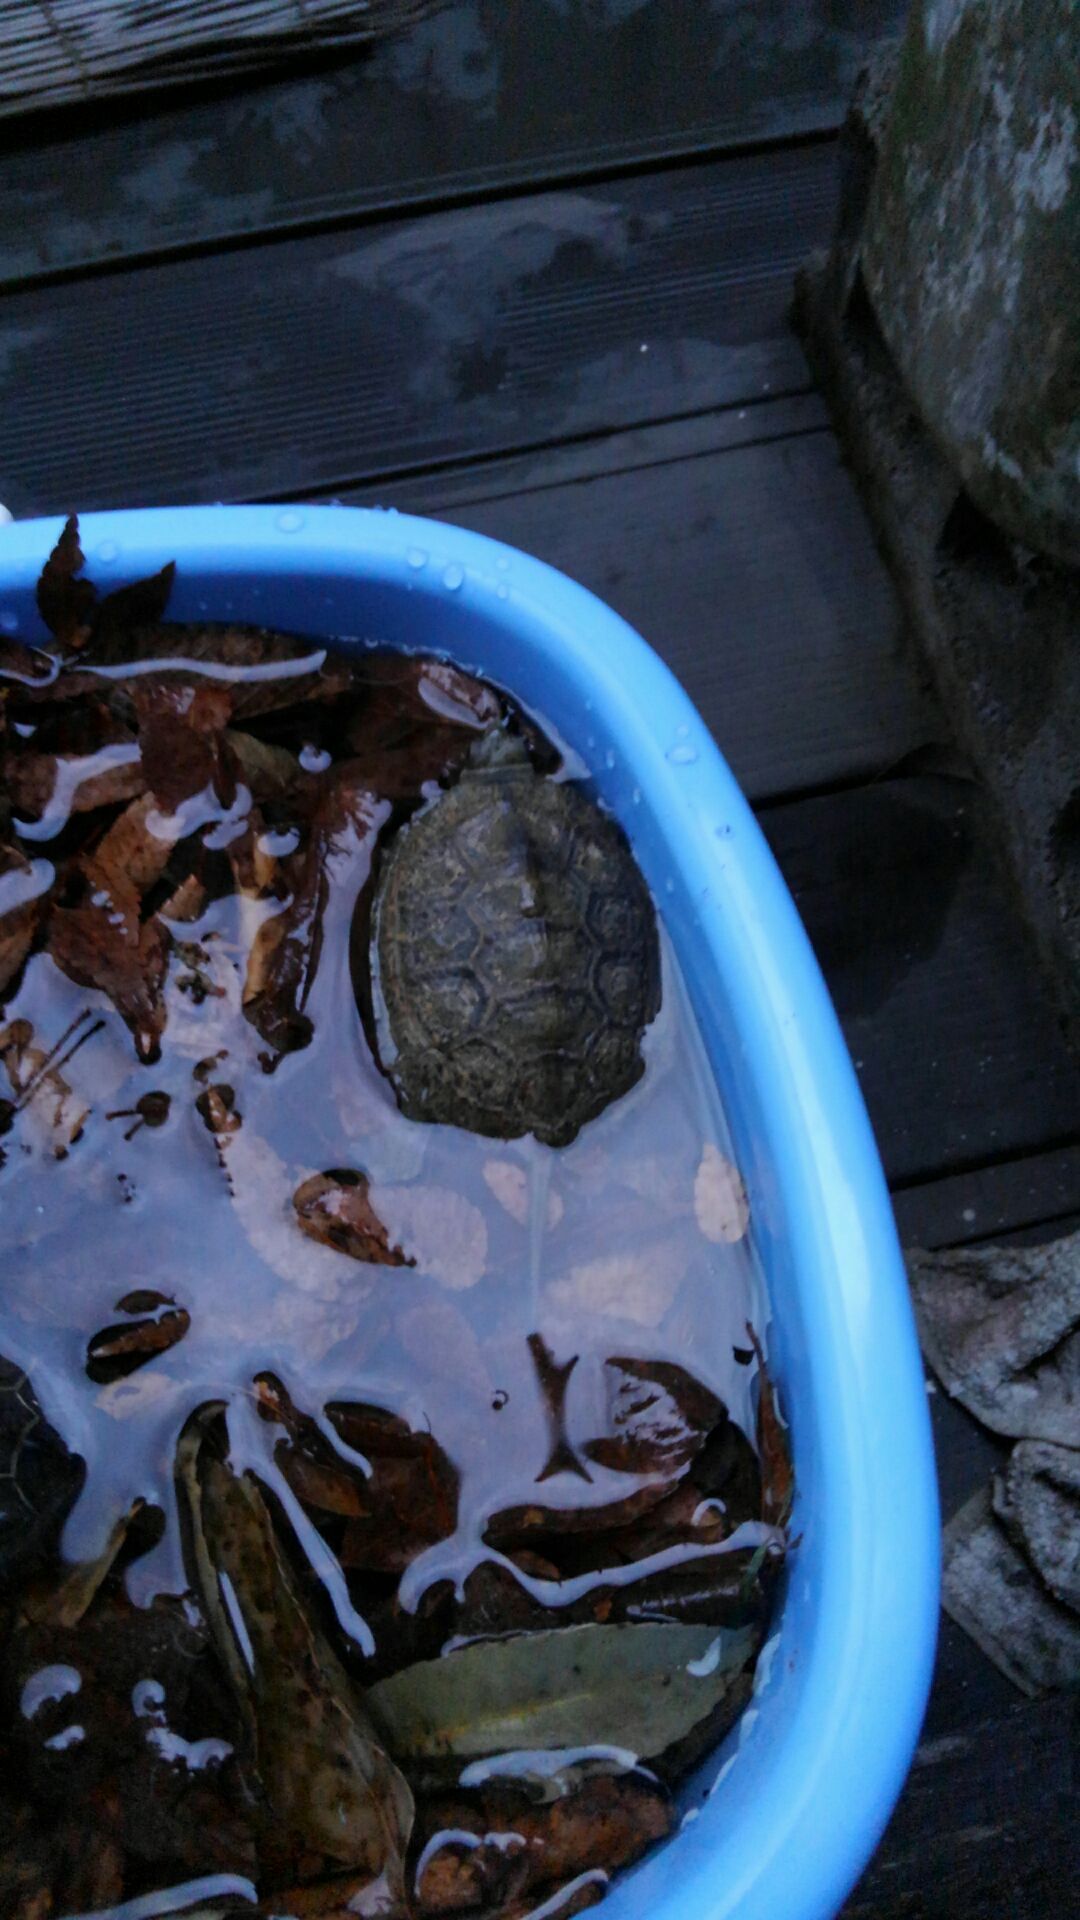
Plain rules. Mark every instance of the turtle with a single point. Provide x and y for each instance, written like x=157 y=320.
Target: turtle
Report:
x=39 y=1477
x=514 y=953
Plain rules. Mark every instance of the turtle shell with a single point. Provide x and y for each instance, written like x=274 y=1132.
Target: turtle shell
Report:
x=39 y=1478
x=516 y=952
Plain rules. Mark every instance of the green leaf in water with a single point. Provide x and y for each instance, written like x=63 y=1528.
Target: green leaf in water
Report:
x=330 y=1788
x=636 y=1688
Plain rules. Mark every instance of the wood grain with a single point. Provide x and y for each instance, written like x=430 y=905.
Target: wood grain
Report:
x=952 y=1030
x=485 y=97
x=749 y=568
x=986 y=1827
x=312 y=364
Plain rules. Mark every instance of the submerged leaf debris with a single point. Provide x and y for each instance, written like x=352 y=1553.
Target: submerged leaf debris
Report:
x=389 y=1519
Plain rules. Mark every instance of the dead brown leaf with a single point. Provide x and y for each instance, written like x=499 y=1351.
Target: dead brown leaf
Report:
x=117 y=1351
x=284 y=955
x=659 y=1417
x=103 y=944
x=32 y=778
x=129 y=858
x=34 y=1072
x=66 y=603
x=602 y=1826
x=222 y=645
x=777 y=1475
x=22 y=905
x=180 y=732
x=139 y=604
x=417 y=724
x=268 y=772
x=335 y=1209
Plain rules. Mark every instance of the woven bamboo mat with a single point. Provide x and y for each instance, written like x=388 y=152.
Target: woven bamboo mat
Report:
x=57 y=52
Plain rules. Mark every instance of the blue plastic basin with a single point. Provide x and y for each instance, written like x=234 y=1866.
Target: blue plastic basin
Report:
x=817 y=1763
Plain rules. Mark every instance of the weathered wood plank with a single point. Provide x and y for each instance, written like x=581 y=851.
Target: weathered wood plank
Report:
x=312 y=363
x=986 y=1826
x=1038 y=1195
x=486 y=96
x=751 y=570
x=952 y=1031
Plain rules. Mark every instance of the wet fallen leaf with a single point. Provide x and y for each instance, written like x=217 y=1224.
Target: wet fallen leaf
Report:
x=777 y=1476
x=180 y=732
x=217 y=1108
x=33 y=1510
x=117 y=1351
x=554 y=1379
x=575 y=1896
x=285 y=952
x=335 y=1208
x=33 y=778
x=26 y=665
x=270 y=772
x=35 y=1073
x=139 y=604
x=65 y=602
x=329 y=1787
x=634 y=1688
x=104 y=945
x=443 y=1234
x=187 y=902
x=394 y=1489
x=720 y=1203
x=131 y=856
x=509 y=1182
x=23 y=900
x=417 y=723
x=603 y=1823
x=64 y=1604
x=455 y=695
x=659 y=1418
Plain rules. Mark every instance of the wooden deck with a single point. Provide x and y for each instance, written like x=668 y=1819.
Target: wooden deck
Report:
x=530 y=270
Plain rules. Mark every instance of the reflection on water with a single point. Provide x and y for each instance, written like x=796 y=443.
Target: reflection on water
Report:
x=296 y=1390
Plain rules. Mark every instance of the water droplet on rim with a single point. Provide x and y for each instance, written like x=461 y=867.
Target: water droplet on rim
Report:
x=416 y=557
x=502 y=563
x=453 y=577
x=502 y=591
x=683 y=755
x=290 y=522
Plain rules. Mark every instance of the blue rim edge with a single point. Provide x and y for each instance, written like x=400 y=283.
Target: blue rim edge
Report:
x=805 y=1801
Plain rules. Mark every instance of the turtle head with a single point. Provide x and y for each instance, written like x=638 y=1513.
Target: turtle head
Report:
x=497 y=751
